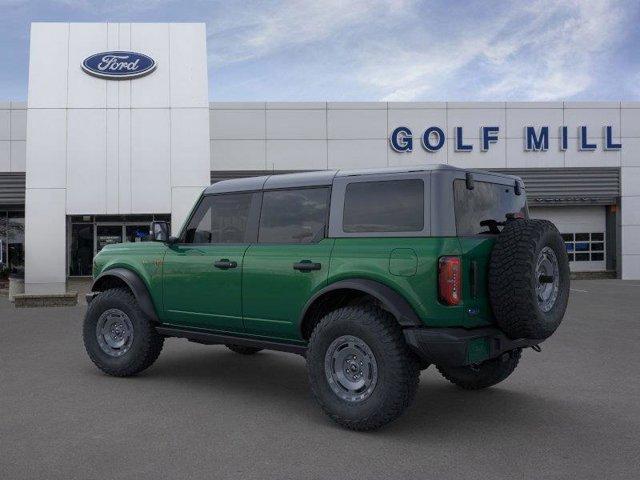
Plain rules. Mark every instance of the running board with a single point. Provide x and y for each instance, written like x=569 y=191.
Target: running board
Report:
x=209 y=338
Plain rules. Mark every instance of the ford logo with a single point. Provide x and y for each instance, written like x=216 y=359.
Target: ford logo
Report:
x=118 y=65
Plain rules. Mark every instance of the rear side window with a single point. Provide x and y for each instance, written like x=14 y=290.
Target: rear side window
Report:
x=294 y=216
x=488 y=203
x=384 y=206
x=221 y=219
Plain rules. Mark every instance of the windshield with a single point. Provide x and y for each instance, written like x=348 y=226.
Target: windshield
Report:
x=484 y=209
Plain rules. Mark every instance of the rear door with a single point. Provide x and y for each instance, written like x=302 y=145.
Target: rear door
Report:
x=289 y=262
x=202 y=275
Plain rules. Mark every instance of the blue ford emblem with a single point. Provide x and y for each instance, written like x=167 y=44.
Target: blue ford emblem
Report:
x=118 y=65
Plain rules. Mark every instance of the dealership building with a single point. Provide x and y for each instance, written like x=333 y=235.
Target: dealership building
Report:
x=118 y=130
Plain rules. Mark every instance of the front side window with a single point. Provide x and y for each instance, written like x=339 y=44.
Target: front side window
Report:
x=220 y=219
x=294 y=216
x=384 y=206
x=483 y=209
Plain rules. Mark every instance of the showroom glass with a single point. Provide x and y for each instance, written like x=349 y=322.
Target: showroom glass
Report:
x=294 y=216
x=384 y=206
x=12 y=242
x=487 y=201
x=90 y=233
x=220 y=219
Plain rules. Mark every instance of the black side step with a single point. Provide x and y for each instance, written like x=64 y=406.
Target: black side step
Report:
x=221 y=339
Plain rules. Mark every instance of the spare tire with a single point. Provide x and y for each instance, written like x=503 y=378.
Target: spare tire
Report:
x=529 y=279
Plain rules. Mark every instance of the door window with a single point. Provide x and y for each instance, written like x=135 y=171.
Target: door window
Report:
x=222 y=219
x=294 y=216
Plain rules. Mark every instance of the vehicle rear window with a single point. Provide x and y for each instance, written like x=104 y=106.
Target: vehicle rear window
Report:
x=384 y=206
x=294 y=216
x=487 y=202
x=220 y=219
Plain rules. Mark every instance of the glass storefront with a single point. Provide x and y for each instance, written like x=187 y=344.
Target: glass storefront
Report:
x=88 y=234
x=11 y=243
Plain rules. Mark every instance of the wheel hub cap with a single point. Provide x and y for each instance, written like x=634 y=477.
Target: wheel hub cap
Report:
x=351 y=368
x=547 y=279
x=114 y=332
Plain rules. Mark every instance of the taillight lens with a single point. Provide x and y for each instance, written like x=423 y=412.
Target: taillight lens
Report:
x=449 y=280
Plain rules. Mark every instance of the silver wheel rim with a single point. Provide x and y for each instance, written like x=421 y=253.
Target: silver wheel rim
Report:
x=547 y=279
x=114 y=332
x=351 y=368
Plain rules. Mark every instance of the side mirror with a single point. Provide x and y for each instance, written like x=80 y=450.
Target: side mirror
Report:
x=160 y=231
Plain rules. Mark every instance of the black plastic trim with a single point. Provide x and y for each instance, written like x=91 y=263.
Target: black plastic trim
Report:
x=137 y=286
x=210 y=338
x=390 y=299
x=449 y=346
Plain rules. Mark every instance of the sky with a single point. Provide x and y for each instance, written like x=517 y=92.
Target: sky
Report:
x=377 y=50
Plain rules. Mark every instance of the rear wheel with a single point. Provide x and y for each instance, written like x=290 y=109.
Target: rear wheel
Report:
x=361 y=372
x=485 y=374
x=242 y=350
x=118 y=337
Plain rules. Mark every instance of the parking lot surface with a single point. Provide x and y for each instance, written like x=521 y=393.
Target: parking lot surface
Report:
x=572 y=411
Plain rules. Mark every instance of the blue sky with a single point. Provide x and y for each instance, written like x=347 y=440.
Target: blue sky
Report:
x=361 y=50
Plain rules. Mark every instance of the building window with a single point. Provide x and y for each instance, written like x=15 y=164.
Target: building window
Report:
x=585 y=247
x=91 y=233
x=11 y=243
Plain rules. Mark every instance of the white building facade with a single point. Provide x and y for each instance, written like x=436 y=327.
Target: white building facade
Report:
x=102 y=157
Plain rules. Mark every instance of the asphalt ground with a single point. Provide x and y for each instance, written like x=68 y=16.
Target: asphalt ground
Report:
x=571 y=411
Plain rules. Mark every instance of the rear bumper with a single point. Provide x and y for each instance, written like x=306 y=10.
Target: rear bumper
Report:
x=458 y=346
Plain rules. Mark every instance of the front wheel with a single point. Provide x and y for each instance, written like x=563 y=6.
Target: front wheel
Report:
x=361 y=372
x=485 y=374
x=118 y=336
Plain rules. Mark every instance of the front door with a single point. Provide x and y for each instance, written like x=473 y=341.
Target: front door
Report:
x=203 y=270
x=289 y=262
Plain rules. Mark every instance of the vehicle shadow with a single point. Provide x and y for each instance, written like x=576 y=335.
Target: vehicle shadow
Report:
x=277 y=381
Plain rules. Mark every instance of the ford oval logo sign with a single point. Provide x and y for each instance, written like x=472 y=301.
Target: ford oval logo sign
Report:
x=118 y=65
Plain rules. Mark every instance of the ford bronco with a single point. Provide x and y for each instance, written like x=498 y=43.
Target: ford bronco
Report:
x=371 y=275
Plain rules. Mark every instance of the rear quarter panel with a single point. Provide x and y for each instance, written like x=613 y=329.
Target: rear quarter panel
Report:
x=370 y=258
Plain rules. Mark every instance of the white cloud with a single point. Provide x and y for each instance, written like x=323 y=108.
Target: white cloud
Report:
x=542 y=51
x=259 y=29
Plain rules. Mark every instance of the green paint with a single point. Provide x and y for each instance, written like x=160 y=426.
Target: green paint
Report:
x=264 y=296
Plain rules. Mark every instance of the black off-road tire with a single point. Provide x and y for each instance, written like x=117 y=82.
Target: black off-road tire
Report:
x=242 y=350
x=513 y=279
x=146 y=344
x=398 y=371
x=486 y=374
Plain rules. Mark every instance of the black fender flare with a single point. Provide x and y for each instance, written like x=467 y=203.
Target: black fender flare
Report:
x=391 y=300
x=135 y=284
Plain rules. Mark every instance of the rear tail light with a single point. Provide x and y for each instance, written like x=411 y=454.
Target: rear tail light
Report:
x=449 y=280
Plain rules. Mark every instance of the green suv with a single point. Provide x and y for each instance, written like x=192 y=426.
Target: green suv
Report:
x=372 y=275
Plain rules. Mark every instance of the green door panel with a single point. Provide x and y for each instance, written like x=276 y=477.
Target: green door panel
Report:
x=374 y=258
x=196 y=293
x=403 y=262
x=274 y=292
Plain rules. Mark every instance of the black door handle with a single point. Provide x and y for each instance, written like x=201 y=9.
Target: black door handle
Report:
x=307 y=266
x=225 y=264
